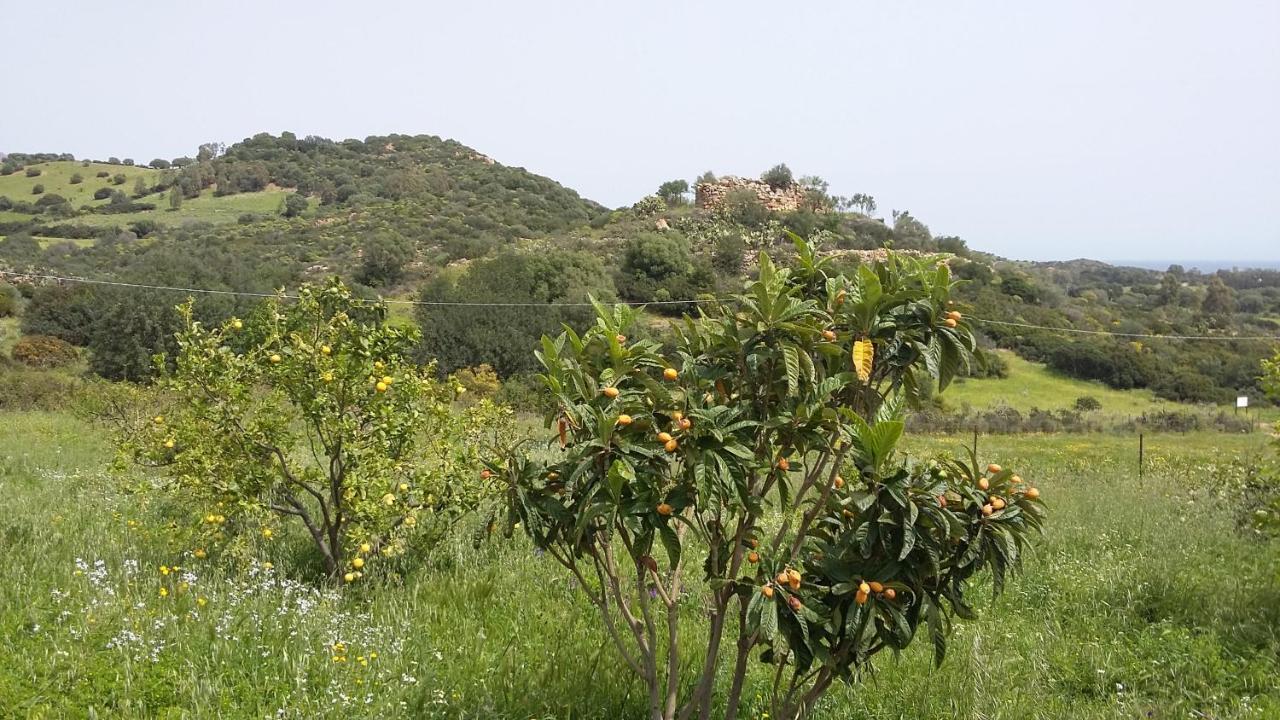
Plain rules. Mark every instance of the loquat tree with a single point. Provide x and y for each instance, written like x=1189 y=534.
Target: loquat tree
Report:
x=758 y=460
x=310 y=412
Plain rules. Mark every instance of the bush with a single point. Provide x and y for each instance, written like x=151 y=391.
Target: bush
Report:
x=989 y=365
x=103 y=173
x=1116 y=364
x=649 y=206
x=527 y=393
x=33 y=172
x=118 y=179
x=5 y=203
x=743 y=207
x=393 y=465
x=76 y=178
x=37 y=189
x=464 y=336
x=778 y=177
x=102 y=193
x=383 y=261
x=8 y=300
x=479 y=382
x=294 y=205
x=35 y=390
x=1087 y=403
x=740 y=442
x=44 y=352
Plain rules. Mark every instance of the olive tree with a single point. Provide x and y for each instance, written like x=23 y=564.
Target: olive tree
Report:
x=757 y=461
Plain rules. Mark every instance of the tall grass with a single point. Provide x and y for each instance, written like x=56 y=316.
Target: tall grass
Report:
x=1142 y=600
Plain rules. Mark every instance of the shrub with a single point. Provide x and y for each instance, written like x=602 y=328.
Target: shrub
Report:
x=740 y=442
x=118 y=179
x=103 y=173
x=779 y=176
x=649 y=206
x=102 y=193
x=989 y=365
x=294 y=205
x=8 y=300
x=744 y=208
x=44 y=352
x=479 y=382
x=33 y=172
x=50 y=199
x=1086 y=403
x=1115 y=364
x=76 y=178
x=383 y=261
x=390 y=464
x=144 y=227
x=544 y=284
x=37 y=189
x=22 y=389
x=525 y=392
x=5 y=203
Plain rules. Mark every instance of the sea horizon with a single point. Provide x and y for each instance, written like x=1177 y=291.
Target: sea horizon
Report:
x=1204 y=266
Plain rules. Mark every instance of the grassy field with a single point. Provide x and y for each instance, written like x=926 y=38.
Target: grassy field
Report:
x=56 y=178
x=1142 y=600
x=1032 y=385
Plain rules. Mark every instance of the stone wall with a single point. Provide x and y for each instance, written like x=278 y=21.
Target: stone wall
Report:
x=713 y=194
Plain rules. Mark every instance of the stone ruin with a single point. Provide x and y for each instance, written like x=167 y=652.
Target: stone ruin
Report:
x=711 y=195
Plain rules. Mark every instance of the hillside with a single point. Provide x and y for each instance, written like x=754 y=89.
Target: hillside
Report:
x=1031 y=385
x=420 y=217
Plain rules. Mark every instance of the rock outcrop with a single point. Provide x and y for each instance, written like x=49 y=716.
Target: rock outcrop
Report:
x=710 y=195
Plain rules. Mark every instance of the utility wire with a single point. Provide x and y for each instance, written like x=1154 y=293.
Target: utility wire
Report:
x=1127 y=335
x=443 y=303
x=141 y=286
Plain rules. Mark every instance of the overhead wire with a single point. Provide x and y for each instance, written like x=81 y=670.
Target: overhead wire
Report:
x=449 y=303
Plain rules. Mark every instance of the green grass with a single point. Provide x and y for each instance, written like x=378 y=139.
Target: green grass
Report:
x=1031 y=385
x=56 y=178
x=1142 y=600
x=206 y=208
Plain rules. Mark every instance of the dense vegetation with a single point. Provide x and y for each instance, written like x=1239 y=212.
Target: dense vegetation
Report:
x=1152 y=596
x=426 y=219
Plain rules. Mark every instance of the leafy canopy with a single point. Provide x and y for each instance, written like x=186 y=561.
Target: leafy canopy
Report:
x=761 y=453
x=310 y=412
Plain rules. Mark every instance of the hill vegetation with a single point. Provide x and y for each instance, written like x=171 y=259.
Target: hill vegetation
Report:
x=431 y=220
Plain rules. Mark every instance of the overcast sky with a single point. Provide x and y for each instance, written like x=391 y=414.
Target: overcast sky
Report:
x=1037 y=130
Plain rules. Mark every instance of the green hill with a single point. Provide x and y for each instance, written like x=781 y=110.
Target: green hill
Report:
x=58 y=178
x=432 y=219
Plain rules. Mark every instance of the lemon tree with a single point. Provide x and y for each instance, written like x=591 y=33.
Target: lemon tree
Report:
x=310 y=412
x=1266 y=515
x=750 y=477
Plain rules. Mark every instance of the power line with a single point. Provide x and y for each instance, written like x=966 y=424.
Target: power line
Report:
x=444 y=303
x=1126 y=335
x=141 y=286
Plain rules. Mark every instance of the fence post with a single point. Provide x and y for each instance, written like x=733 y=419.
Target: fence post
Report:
x=1141 y=458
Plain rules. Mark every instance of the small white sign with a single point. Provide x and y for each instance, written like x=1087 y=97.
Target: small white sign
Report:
x=1242 y=401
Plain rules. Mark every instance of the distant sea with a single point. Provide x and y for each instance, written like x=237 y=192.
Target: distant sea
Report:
x=1204 y=266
